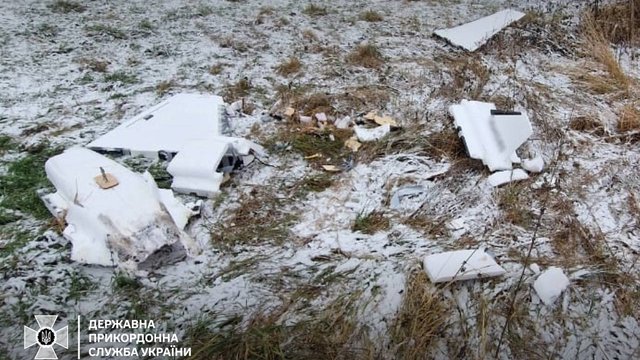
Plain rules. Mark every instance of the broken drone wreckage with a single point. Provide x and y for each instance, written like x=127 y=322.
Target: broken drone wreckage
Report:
x=114 y=216
x=117 y=217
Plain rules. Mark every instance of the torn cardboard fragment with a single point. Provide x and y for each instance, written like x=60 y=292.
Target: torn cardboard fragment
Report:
x=473 y=35
x=385 y=120
x=121 y=225
x=331 y=168
x=461 y=265
x=353 y=144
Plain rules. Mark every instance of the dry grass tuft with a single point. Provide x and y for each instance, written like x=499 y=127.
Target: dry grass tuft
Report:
x=366 y=55
x=164 y=86
x=262 y=217
x=587 y=123
x=515 y=208
x=371 y=16
x=315 y=10
x=598 y=46
x=445 y=145
x=309 y=35
x=421 y=319
x=629 y=119
x=469 y=74
x=94 y=64
x=289 y=66
x=371 y=223
x=238 y=90
x=619 y=21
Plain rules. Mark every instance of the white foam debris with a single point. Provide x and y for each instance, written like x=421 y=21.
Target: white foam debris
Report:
x=471 y=36
x=461 y=265
x=199 y=166
x=374 y=134
x=166 y=127
x=120 y=225
x=535 y=268
x=550 y=285
x=534 y=165
x=490 y=135
x=506 y=176
x=343 y=123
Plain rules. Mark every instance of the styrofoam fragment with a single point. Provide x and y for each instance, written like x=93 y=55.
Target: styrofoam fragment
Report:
x=550 y=285
x=461 y=265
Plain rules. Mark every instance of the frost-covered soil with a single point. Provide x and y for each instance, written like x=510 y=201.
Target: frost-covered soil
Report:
x=588 y=193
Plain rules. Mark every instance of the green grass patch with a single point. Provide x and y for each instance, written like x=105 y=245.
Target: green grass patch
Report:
x=370 y=223
x=18 y=238
x=23 y=178
x=7 y=144
x=121 y=77
x=66 y=7
x=101 y=29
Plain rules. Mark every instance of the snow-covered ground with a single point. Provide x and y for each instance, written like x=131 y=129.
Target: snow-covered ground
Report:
x=68 y=77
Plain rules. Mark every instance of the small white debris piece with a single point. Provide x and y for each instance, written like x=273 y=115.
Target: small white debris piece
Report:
x=535 y=268
x=199 y=166
x=180 y=213
x=406 y=191
x=506 y=176
x=461 y=265
x=374 y=134
x=166 y=127
x=121 y=225
x=550 y=285
x=534 y=165
x=234 y=108
x=322 y=117
x=472 y=35
x=343 y=123
x=489 y=135
x=289 y=111
x=306 y=119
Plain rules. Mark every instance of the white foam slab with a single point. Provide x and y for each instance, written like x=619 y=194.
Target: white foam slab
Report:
x=550 y=285
x=122 y=224
x=471 y=36
x=166 y=127
x=490 y=138
x=461 y=265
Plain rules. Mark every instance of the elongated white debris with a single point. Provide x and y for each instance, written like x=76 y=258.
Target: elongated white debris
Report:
x=165 y=128
x=506 y=176
x=374 y=134
x=550 y=285
x=461 y=265
x=471 y=36
x=120 y=225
